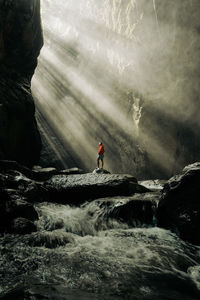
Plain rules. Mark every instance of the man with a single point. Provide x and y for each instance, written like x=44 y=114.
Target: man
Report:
x=100 y=154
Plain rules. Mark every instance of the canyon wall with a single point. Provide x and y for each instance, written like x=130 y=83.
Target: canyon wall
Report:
x=20 y=43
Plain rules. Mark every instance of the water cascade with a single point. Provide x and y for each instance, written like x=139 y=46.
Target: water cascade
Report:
x=79 y=253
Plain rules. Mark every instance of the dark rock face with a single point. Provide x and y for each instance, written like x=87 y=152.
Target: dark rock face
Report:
x=136 y=210
x=22 y=226
x=20 y=44
x=19 y=207
x=16 y=213
x=179 y=207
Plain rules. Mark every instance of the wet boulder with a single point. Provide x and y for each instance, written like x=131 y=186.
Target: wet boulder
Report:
x=179 y=207
x=76 y=189
x=137 y=210
x=19 y=207
x=22 y=226
x=71 y=171
x=12 y=206
x=153 y=184
x=100 y=171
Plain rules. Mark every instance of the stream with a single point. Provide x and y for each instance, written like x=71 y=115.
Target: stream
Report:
x=80 y=253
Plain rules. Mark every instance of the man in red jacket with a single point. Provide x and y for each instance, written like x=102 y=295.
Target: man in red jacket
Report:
x=100 y=154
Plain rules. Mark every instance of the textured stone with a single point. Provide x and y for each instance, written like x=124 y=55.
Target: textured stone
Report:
x=179 y=207
x=100 y=171
x=137 y=210
x=20 y=44
x=21 y=208
x=22 y=226
x=76 y=189
x=13 y=205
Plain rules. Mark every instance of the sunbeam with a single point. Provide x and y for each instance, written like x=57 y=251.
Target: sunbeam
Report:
x=106 y=74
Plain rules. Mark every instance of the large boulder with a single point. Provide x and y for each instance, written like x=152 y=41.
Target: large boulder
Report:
x=179 y=207
x=20 y=44
x=22 y=226
x=19 y=179
x=13 y=207
x=19 y=207
x=76 y=189
x=136 y=210
x=4 y=198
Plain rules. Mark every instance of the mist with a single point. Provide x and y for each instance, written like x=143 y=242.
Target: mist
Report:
x=125 y=73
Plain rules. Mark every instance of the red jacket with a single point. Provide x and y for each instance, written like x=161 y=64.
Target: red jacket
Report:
x=101 y=149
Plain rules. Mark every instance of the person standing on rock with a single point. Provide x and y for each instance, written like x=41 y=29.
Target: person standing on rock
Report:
x=100 y=154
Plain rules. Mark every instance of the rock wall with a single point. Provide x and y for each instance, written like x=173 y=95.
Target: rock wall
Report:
x=20 y=43
x=170 y=110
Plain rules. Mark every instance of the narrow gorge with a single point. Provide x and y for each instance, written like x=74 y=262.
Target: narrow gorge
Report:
x=74 y=73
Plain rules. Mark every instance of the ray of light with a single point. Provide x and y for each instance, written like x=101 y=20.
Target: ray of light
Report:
x=94 y=72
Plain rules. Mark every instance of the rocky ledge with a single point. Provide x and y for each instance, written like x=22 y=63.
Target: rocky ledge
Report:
x=120 y=196
x=21 y=187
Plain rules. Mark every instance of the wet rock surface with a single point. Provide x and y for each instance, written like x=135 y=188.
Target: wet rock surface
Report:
x=153 y=185
x=50 y=291
x=117 y=264
x=178 y=203
x=19 y=207
x=136 y=210
x=100 y=171
x=22 y=226
x=108 y=248
x=16 y=213
x=75 y=189
x=22 y=187
x=179 y=207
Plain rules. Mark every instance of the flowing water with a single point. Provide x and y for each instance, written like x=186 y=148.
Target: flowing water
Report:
x=80 y=253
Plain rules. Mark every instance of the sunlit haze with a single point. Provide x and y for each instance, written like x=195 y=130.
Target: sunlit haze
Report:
x=117 y=71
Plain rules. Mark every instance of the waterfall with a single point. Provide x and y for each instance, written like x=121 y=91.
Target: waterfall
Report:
x=113 y=264
x=86 y=252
